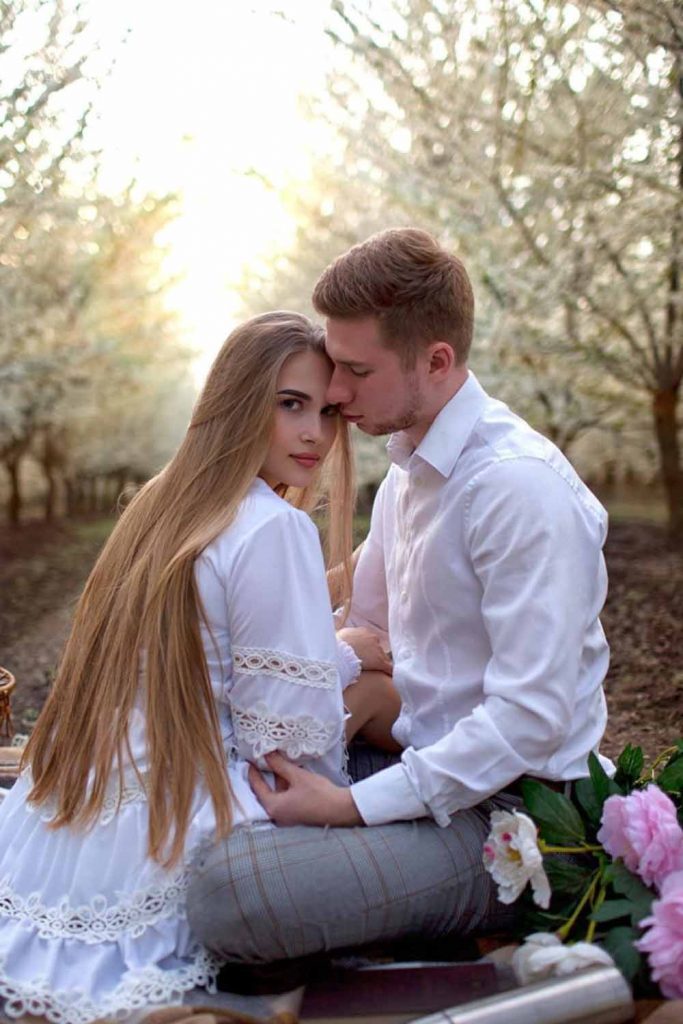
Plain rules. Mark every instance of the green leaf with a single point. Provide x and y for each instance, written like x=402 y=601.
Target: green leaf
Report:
x=624 y=881
x=626 y=884
x=558 y=821
x=619 y=943
x=584 y=791
x=612 y=910
x=603 y=785
x=629 y=766
x=671 y=779
x=567 y=877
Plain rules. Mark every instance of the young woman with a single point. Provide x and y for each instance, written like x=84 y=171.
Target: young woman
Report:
x=204 y=640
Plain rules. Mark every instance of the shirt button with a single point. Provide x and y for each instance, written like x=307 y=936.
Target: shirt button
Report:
x=404 y=595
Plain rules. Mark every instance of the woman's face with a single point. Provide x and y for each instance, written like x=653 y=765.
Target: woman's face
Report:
x=305 y=424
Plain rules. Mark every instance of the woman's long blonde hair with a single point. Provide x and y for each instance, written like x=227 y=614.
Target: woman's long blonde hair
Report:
x=141 y=596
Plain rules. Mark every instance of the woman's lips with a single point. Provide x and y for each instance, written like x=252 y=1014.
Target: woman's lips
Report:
x=309 y=461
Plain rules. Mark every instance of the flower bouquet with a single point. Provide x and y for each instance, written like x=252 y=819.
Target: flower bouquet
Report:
x=605 y=867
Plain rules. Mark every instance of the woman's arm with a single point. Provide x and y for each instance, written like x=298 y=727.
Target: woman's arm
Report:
x=284 y=691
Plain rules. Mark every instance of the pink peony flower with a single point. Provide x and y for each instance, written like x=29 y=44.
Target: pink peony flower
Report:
x=643 y=830
x=663 y=942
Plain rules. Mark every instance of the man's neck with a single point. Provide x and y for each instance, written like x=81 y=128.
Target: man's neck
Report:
x=432 y=409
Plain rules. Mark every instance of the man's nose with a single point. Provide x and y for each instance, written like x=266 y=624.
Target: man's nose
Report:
x=338 y=392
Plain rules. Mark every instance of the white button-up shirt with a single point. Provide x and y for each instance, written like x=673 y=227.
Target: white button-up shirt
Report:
x=483 y=567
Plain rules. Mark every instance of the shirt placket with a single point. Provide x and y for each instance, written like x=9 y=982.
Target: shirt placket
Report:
x=403 y=568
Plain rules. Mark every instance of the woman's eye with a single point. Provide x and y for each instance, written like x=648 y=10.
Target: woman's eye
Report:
x=331 y=410
x=291 y=404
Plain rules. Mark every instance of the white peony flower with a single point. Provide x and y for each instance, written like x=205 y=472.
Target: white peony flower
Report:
x=543 y=955
x=512 y=857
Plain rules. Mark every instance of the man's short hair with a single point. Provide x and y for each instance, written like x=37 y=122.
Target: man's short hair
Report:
x=418 y=292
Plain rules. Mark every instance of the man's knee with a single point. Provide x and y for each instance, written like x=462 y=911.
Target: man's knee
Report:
x=239 y=904
x=221 y=910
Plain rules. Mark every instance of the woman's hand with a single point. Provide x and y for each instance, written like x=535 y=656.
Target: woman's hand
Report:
x=368 y=648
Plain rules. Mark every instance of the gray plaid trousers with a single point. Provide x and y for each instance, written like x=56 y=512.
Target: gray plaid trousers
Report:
x=264 y=895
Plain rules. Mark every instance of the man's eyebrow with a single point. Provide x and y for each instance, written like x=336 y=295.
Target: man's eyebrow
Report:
x=295 y=394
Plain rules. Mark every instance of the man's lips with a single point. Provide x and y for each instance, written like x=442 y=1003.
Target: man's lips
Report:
x=350 y=418
x=307 y=460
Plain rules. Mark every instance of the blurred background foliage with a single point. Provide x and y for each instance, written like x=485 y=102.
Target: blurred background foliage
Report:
x=94 y=383
x=541 y=140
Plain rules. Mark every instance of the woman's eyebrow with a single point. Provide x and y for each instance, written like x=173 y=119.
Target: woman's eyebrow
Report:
x=295 y=394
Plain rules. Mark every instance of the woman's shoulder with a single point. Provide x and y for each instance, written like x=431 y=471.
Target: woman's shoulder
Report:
x=262 y=506
x=262 y=514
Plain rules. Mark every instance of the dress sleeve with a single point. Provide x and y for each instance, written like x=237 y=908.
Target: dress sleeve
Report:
x=285 y=688
x=349 y=663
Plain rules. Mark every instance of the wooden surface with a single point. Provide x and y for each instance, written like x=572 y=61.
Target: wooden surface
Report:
x=658 y=1011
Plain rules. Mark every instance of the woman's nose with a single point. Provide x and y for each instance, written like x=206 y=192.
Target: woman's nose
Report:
x=312 y=430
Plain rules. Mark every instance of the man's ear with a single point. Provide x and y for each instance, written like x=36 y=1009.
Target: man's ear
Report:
x=441 y=360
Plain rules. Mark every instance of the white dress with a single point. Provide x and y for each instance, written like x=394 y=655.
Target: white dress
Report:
x=90 y=926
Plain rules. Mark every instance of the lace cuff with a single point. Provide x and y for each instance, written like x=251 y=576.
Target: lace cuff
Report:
x=349 y=663
x=297 y=736
x=259 y=661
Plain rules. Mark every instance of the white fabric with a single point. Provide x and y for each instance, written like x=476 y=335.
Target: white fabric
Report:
x=483 y=569
x=91 y=927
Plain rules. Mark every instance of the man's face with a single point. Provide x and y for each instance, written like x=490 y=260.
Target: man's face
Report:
x=369 y=383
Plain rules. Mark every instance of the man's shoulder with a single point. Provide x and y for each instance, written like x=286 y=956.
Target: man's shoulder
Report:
x=506 y=453
x=501 y=434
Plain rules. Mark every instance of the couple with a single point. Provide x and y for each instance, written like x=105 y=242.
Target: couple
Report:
x=204 y=693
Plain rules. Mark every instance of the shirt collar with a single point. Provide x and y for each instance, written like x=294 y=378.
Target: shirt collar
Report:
x=443 y=443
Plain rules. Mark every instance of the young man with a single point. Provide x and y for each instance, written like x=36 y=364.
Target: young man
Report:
x=483 y=569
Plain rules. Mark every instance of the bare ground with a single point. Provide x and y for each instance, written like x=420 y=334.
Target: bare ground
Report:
x=43 y=568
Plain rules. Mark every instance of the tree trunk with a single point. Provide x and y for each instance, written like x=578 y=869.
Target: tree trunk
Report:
x=71 y=497
x=15 y=502
x=51 y=493
x=664 y=409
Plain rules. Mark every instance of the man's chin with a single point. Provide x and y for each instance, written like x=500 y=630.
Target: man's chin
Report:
x=372 y=429
x=382 y=429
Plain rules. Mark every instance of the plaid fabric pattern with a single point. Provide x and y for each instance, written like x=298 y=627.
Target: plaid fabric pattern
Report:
x=267 y=894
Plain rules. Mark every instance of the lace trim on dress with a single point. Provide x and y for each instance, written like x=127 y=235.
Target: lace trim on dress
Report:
x=137 y=990
x=259 y=661
x=295 y=735
x=98 y=921
x=132 y=793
